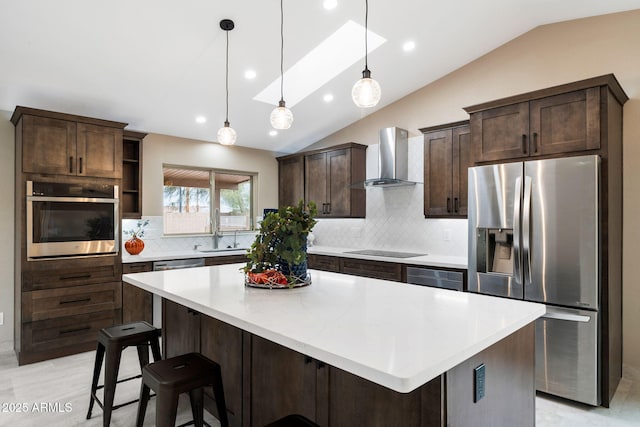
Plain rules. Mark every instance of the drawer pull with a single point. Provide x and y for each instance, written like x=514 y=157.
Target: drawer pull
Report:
x=75 y=300
x=79 y=276
x=70 y=331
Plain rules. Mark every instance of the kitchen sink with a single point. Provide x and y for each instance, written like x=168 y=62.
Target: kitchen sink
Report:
x=390 y=254
x=223 y=250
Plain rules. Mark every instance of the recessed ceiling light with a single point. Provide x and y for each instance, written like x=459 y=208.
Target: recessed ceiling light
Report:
x=273 y=132
x=324 y=62
x=328 y=97
x=250 y=74
x=201 y=119
x=330 y=4
x=409 y=46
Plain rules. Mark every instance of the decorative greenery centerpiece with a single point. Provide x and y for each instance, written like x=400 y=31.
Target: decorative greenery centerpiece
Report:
x=278 y=256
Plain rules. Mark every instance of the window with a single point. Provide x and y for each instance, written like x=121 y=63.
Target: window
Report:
x=188 y=205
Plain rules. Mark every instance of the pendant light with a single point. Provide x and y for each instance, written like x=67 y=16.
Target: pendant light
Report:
x=226 y=134
x=281 y=116
x=366 y=92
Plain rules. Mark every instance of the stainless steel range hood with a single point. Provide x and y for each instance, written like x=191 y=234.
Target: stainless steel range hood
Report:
x=393 y=159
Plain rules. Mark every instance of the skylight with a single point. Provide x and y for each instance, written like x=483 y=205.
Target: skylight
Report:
x=334 y=55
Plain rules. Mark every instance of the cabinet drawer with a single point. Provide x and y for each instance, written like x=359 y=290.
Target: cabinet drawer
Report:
x=53 y=303
x=324 y=262
x=47 y=335
x=374 y=269
x=137 y=267
x=61 y=277
x=227 y=259
x=436 y=278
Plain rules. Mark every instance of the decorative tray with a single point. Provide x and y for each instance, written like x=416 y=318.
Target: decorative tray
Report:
x=272 y=283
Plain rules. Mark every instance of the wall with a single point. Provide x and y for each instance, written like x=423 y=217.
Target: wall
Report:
x=163 y=149
x=546 y=56
x=7 y=159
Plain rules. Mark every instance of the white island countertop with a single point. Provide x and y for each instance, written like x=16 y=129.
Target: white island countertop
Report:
x=394 y=334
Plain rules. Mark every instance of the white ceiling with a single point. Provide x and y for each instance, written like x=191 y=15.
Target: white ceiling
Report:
x=157 y=64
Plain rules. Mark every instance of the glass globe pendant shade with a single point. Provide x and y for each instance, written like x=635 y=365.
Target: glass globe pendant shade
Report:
x=366 y=92
x=227 y=135
x=281 y=116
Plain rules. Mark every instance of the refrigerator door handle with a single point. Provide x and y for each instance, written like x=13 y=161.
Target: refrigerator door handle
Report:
x=517 y=267
x=566 y=316
x=526 y=231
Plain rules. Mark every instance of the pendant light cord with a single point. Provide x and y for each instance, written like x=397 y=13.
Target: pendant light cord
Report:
x=281 y=52
x=366 y=34
x=226 y=120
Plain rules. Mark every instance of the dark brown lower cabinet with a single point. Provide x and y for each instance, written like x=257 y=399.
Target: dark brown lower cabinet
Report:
x=283 y=382
x=264 y=381
x=137 y=304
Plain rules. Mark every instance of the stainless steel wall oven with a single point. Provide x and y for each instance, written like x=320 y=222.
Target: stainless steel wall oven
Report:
x=65 y=219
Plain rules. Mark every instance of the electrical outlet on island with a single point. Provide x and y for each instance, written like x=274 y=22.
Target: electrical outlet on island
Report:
x=1 y=318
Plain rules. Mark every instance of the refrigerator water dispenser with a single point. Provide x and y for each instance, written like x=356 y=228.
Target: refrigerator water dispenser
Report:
x=494 y=250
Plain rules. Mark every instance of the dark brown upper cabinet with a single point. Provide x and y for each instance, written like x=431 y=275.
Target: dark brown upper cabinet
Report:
x=329 y=176
x=447 y=157
x=546 y=123
x=62 y=144
x=325 y=177
x=290 y=179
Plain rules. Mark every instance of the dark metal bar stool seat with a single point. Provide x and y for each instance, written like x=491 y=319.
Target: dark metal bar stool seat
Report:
x=112 y=341
x=181 y=374
x=293 y=420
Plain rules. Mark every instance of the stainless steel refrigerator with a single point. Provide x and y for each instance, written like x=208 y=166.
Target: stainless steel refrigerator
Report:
x=533 y=235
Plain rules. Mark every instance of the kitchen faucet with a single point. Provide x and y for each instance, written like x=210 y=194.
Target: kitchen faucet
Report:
x=217 y=234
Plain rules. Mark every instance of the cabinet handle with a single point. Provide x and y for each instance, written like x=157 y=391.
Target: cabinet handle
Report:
x=535 y=142
x=524 y=144
x=80 y=276
x=328 y=208
x=70 y=164
x=449 y=204
x=70 y=331
x=80 y=165
x=75 y=300
x=456 y=204
x=307 y=360
x=320 y=365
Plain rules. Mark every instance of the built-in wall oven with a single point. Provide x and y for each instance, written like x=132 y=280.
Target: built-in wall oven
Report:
x=65 y=219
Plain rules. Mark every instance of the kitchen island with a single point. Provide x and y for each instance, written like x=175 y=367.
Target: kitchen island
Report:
x=348 y=350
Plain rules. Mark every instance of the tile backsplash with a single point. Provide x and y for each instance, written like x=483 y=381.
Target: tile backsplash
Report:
x=156 y=243
x=395 y=218
x=394 y=221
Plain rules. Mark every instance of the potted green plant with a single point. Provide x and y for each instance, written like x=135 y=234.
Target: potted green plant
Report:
x=281 y=245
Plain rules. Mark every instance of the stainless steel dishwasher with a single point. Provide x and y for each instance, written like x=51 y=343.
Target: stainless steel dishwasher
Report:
x=174 y=264
x=437 y=278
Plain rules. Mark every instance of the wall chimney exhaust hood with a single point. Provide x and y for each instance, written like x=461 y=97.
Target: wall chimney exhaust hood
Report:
x=393 y=160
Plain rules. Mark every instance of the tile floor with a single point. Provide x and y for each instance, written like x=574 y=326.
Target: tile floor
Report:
x=55 y=393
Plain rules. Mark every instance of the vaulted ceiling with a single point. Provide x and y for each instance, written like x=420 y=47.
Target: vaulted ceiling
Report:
x=159 y=64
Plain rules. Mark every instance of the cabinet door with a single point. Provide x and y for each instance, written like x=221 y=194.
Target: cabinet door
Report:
x=222 y=343
x=462 y=161
x=315 y=176
x=48 y=145
x=501 y=133
x=438 y=171
x=283 y=382
x=369 y=268
x=290 y=181
x=566 y=123
x=99 y=151
x=180 y=329
x=339 y=181
x=137 y=304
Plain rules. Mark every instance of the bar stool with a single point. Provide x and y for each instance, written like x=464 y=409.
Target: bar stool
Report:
x=171 y=377
x=294 y=420
x=112 y=341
